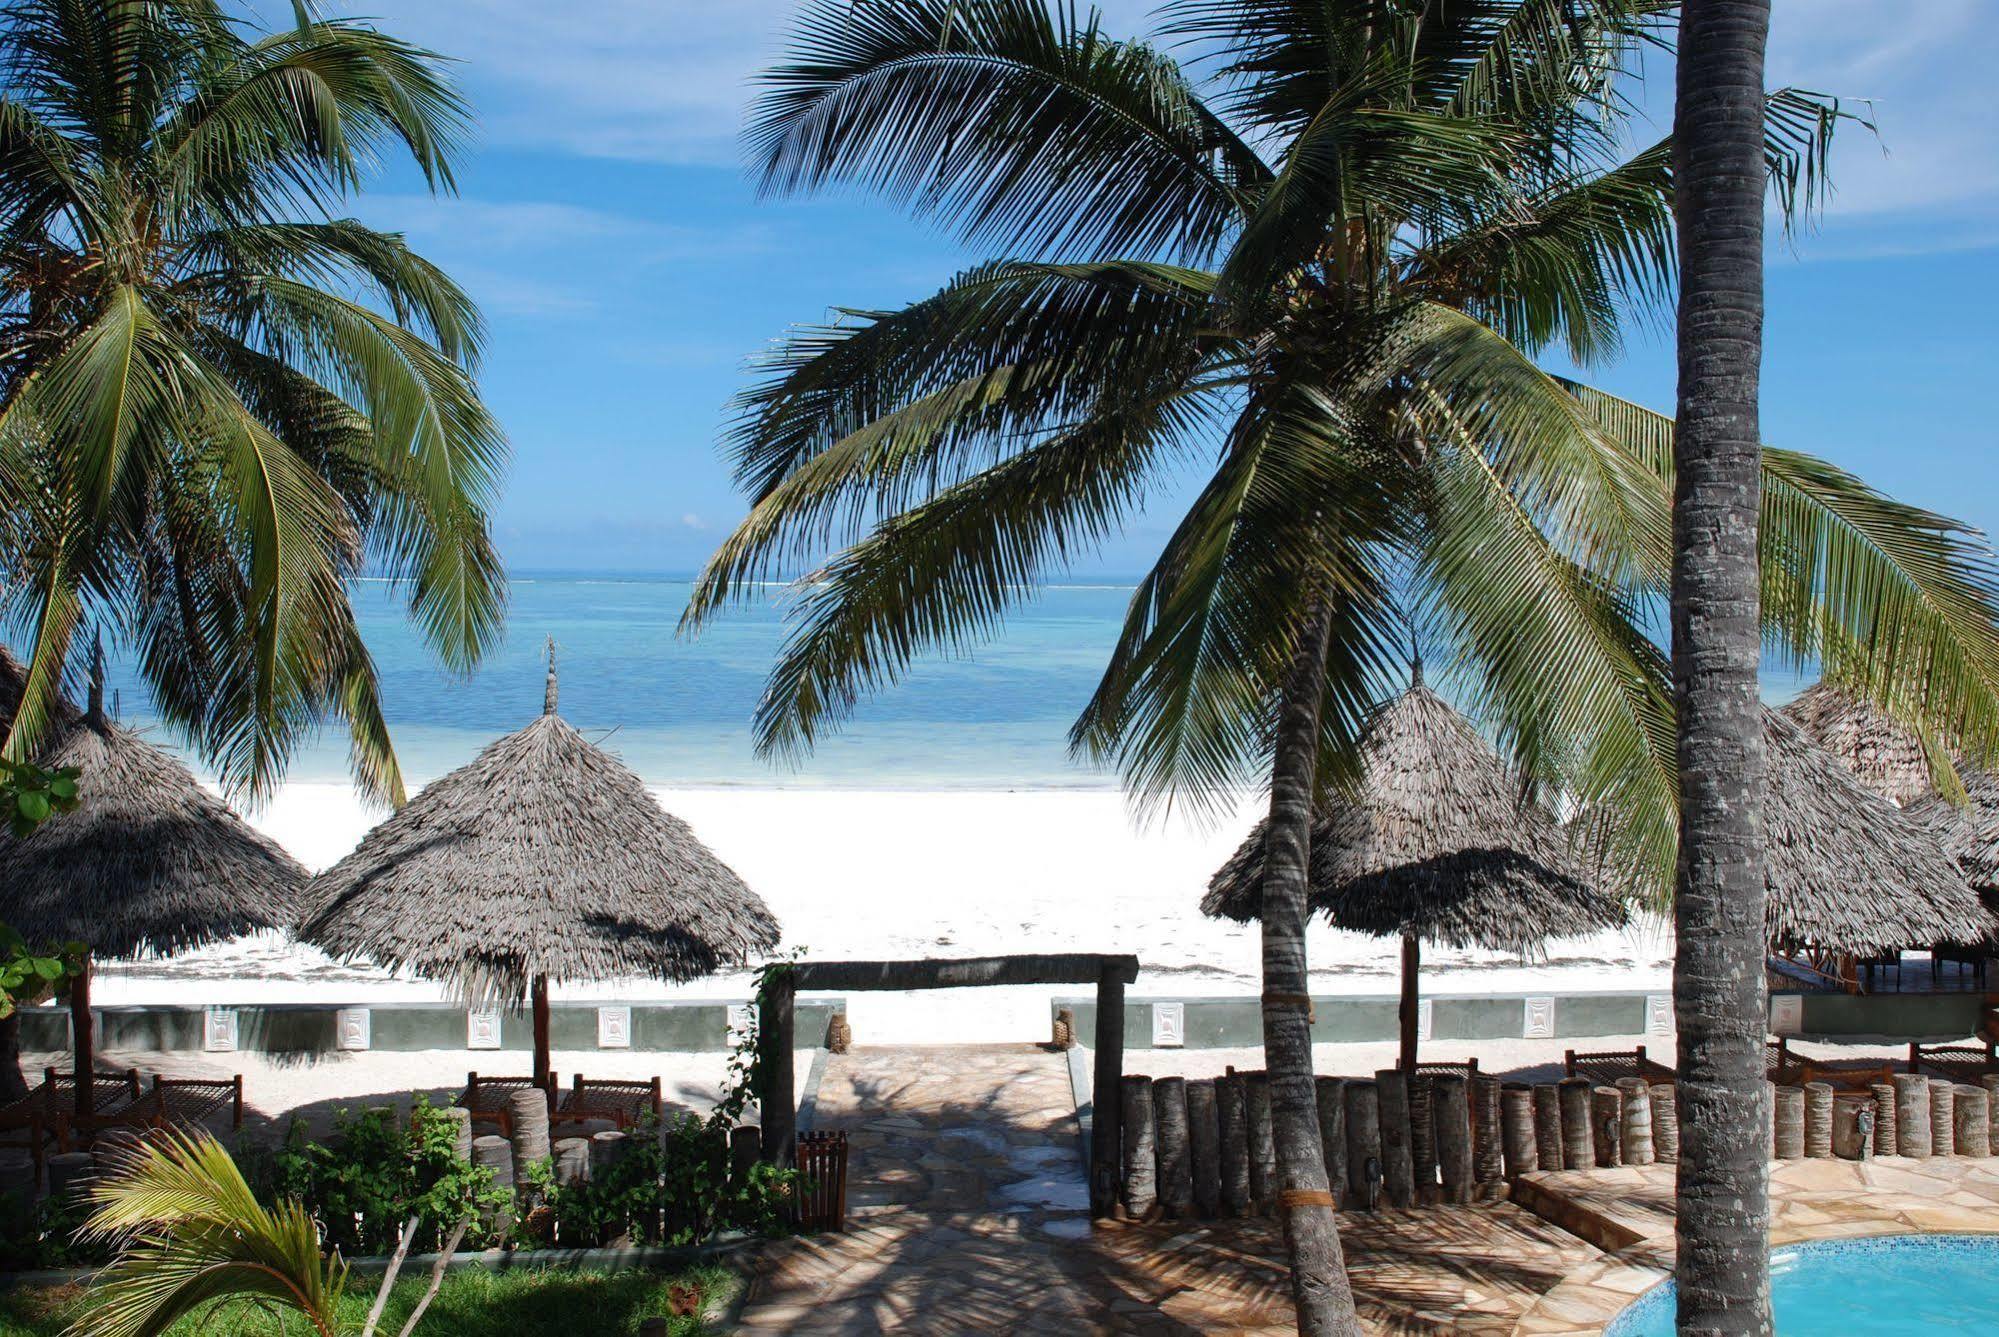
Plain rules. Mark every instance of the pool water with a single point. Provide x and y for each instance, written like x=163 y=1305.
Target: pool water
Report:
x=1858 y=1287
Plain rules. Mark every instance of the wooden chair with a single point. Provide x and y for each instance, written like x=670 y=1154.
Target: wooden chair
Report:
x=624 y=1103
x=486 y=1098
x=822 y=1181
x=24 y=1123
x=1605 y=1066
x=1960 y=1063
x=112 y=1095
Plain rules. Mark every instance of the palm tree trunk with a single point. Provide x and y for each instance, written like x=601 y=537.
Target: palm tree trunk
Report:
x=1319 y=1283
x=1718 y=980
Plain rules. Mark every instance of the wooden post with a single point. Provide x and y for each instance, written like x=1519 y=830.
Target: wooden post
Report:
x=1363 y=1117
x=1853 y=1127
x=83 y=1036
x=1105 y=1133
x=1263 y=1182
x=1818 y=1120
x=1973 y=1110
x=1990 y=1081
x=1398 y=1167
x=1332 y=1101
x=1666 y=1123
x=1204 y=1142
x=572 y=1159
x=1423 y=1135
x=1140 y=1148
x=527 y=1123
x=1487 y=1165
x=1885 y=1122
x=1409 y=1011
x=1943 y=1117
x=1518 y=1147
x=538 y=1000
x=1912 y=1115
x=1176 y=1157
x=777 y=1102
x=1606 y=1125
x=1787 y=1138
x=1232 y=1096
x=1548 y=1126
x=1634 y=1125
x=1577 y=1152
x=1452 y=1104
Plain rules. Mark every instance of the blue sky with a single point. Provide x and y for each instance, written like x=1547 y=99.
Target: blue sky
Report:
x=628 y=270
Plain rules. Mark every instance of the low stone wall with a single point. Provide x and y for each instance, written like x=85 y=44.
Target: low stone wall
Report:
x=321 y=1028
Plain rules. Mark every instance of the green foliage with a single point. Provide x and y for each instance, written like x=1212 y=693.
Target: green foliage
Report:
x=30 y=795
x=42 y=1234
x=378 y=1171
x=28 y=974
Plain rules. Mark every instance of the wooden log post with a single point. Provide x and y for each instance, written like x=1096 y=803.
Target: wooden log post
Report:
x=1106 y=1139
x=1885 y=1121
x=527 y=1120
x=1973 y=1134
x=1912 y=1115
x=1788 y=1137
x=1204 y=1147
x=1548 y=1126
x=1634 y=1127
x=1364 y=1164
x=1853 y=1127
x=745 y=1150
x=606 y=1150
x=1488 y=1166
x=1517 y=1145
x=69 y=1174
x=1330 y=1093
x=1263 y=1181
x=1176 y=1155
x=1666 y=1123
x=1943 y=1117
x=1990 y=1082
x=572 y=1160
x=1398 y=1165
x=1452 y=1104
x=1577 y=1145
x=776 y=1096
x=1606 y=1126
x=1232 y=1096
x=1423 y=1135
x=1818 y=1120
x=496 y=1154
x=460 y=1120
x=1140 y=1168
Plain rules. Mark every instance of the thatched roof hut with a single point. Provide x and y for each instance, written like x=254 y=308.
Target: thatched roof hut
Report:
x=543 y=859
x=1438 y=843
x=1846 y=869
x=1885 y=754
x=1968 y=832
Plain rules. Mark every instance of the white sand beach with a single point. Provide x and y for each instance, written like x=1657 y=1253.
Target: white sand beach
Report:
x=886 y=874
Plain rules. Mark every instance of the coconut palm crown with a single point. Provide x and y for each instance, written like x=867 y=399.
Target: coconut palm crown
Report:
x=1315 y=269
x=221 y=396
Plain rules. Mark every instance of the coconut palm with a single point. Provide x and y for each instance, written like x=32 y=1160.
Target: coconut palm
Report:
x=1318 y=276
x=1719 y=984
x=219 y=397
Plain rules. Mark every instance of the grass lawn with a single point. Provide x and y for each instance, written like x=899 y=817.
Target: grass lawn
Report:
x=473 y=1302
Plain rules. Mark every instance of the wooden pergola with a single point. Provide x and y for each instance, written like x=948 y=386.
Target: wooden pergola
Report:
x=1110 y=974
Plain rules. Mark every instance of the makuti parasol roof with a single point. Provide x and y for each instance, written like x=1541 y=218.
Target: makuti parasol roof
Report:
x=149 y=861
x=1438 y=840
x=1846 y=868
x=1885 y=754
x=1968 y=832
x=544 y=856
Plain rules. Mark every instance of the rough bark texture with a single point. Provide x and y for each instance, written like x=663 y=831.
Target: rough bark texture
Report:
x=1398 y=1172
x=1636 y=1126
x=1818 y=1120
x=1141 y=1154
x=1666 y=1124
x=1517 y=1141
x=1577 y=1147
x=1176 y=1155
x=1204 y=1144
x=1232 y=1095
x=1606 y=1126
x=1943 y=1117
x=1787 y=1138
x=1885 y=1122
x=1333 y=1133
x=1423 y=1135
x=1853 y=1127
x=1912 y=1115
x=13 y=1082
x=1719 y=987
x=776 y=1098
x=1452 y=1108
x=1263 y=1181
x=1106 y=1104
x=1319 y=1285
x=1990 y=1081
x=1974 y=1130
x=1487 y=1166
x=1548 y=1126
x=1363 y=1117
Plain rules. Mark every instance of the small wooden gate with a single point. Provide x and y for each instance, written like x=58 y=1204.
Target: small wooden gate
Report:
x=822 y=1181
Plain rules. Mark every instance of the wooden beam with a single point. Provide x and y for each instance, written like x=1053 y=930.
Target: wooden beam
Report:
x=1106 y=1122
x=967 y=972
x=83 y=1036
x=538 y=1002
x=775 y=1099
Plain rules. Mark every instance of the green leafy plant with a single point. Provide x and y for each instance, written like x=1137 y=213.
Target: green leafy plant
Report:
x=43 y=1233
x=30 y=795
x=29 y=974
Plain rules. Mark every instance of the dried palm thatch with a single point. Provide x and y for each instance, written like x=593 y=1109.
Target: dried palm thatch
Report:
x=149 y=862
x=1438 y=842
x=544 y=858
x=1886 y=756
x=1968 y=832
x=1846 y=869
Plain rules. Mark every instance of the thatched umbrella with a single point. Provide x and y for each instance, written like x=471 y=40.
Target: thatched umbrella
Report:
x=1847 y=871
x=1438 y=842
x=1968 y=832
x=1885 y=754
x=543 y=859
x=149 y=862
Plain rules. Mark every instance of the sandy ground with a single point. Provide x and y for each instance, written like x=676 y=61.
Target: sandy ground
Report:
x=871 y=875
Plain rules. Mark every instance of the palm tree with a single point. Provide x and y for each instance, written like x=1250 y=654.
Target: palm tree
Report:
x=218 y=397
x=1320 y=277
x=1723 y=1198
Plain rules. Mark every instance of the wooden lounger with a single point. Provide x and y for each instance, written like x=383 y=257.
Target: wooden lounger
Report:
x=623 y=1103
x=1605 y=1066
x=1466 y=1069
x=1847 y=1074
x=486 y=1098
x=1960 y=1063
x=170 y=1102
x=112 y=1094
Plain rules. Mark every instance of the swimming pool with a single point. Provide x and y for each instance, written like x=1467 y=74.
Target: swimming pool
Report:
x=1878 y=1284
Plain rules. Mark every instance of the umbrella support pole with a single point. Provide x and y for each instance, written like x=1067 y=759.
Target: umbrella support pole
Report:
x=1407 y=1014
x=539 y=1002
x=82 y=1034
